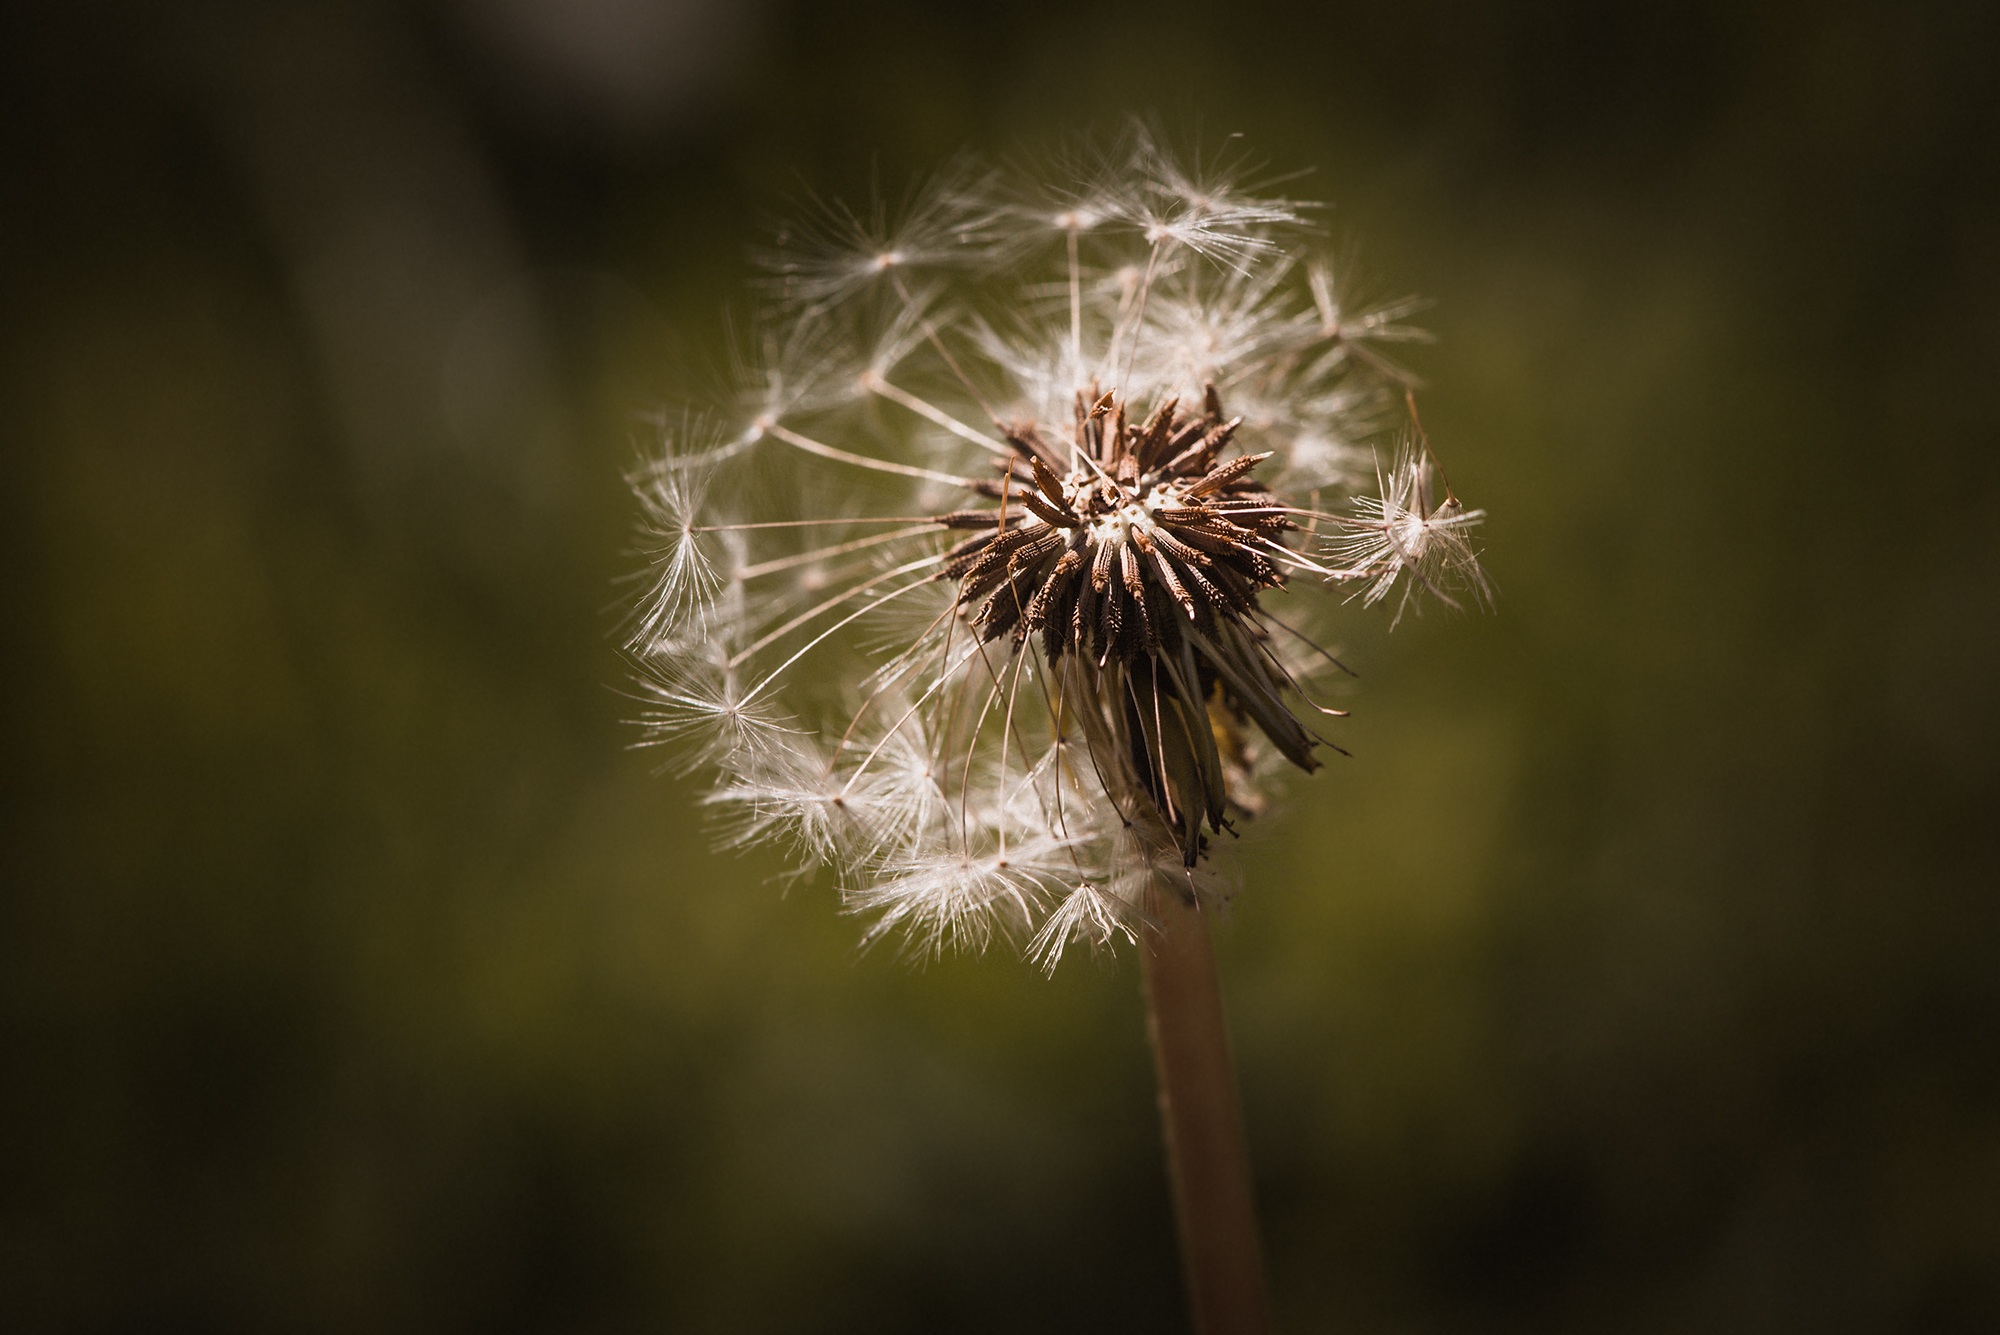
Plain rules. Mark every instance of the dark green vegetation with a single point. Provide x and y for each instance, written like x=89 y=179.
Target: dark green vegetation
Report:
x=1639 y=972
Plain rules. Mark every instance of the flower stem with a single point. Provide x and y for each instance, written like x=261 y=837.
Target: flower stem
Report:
x=1208 y=1163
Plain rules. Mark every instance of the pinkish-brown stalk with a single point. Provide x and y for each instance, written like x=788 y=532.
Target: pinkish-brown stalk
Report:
x=1208 y=1162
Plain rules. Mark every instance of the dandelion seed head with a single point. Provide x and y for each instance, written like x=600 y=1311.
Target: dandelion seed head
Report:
x=993 y=590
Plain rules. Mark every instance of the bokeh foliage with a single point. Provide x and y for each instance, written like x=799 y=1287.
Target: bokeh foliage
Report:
x=1637 y=973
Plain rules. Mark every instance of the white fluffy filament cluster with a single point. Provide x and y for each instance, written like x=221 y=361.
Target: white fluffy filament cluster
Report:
x=801 y=637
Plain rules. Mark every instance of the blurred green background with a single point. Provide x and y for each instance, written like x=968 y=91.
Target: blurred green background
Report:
x=1640 y=971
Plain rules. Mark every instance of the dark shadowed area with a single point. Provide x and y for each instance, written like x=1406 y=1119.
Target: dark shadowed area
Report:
x=1639 y=972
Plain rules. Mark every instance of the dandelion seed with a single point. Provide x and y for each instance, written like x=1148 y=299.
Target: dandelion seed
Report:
x=1355 y=328
x=1406 y=535
x=832 y=254
x=683 y=557
x=688 y=700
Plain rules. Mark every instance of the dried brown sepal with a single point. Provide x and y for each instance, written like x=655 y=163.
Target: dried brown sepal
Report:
x=1139 y=558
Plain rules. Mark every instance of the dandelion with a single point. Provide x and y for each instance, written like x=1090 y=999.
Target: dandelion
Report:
x=994 y=587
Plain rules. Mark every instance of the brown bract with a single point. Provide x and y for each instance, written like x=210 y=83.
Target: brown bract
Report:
x=1137 y=552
